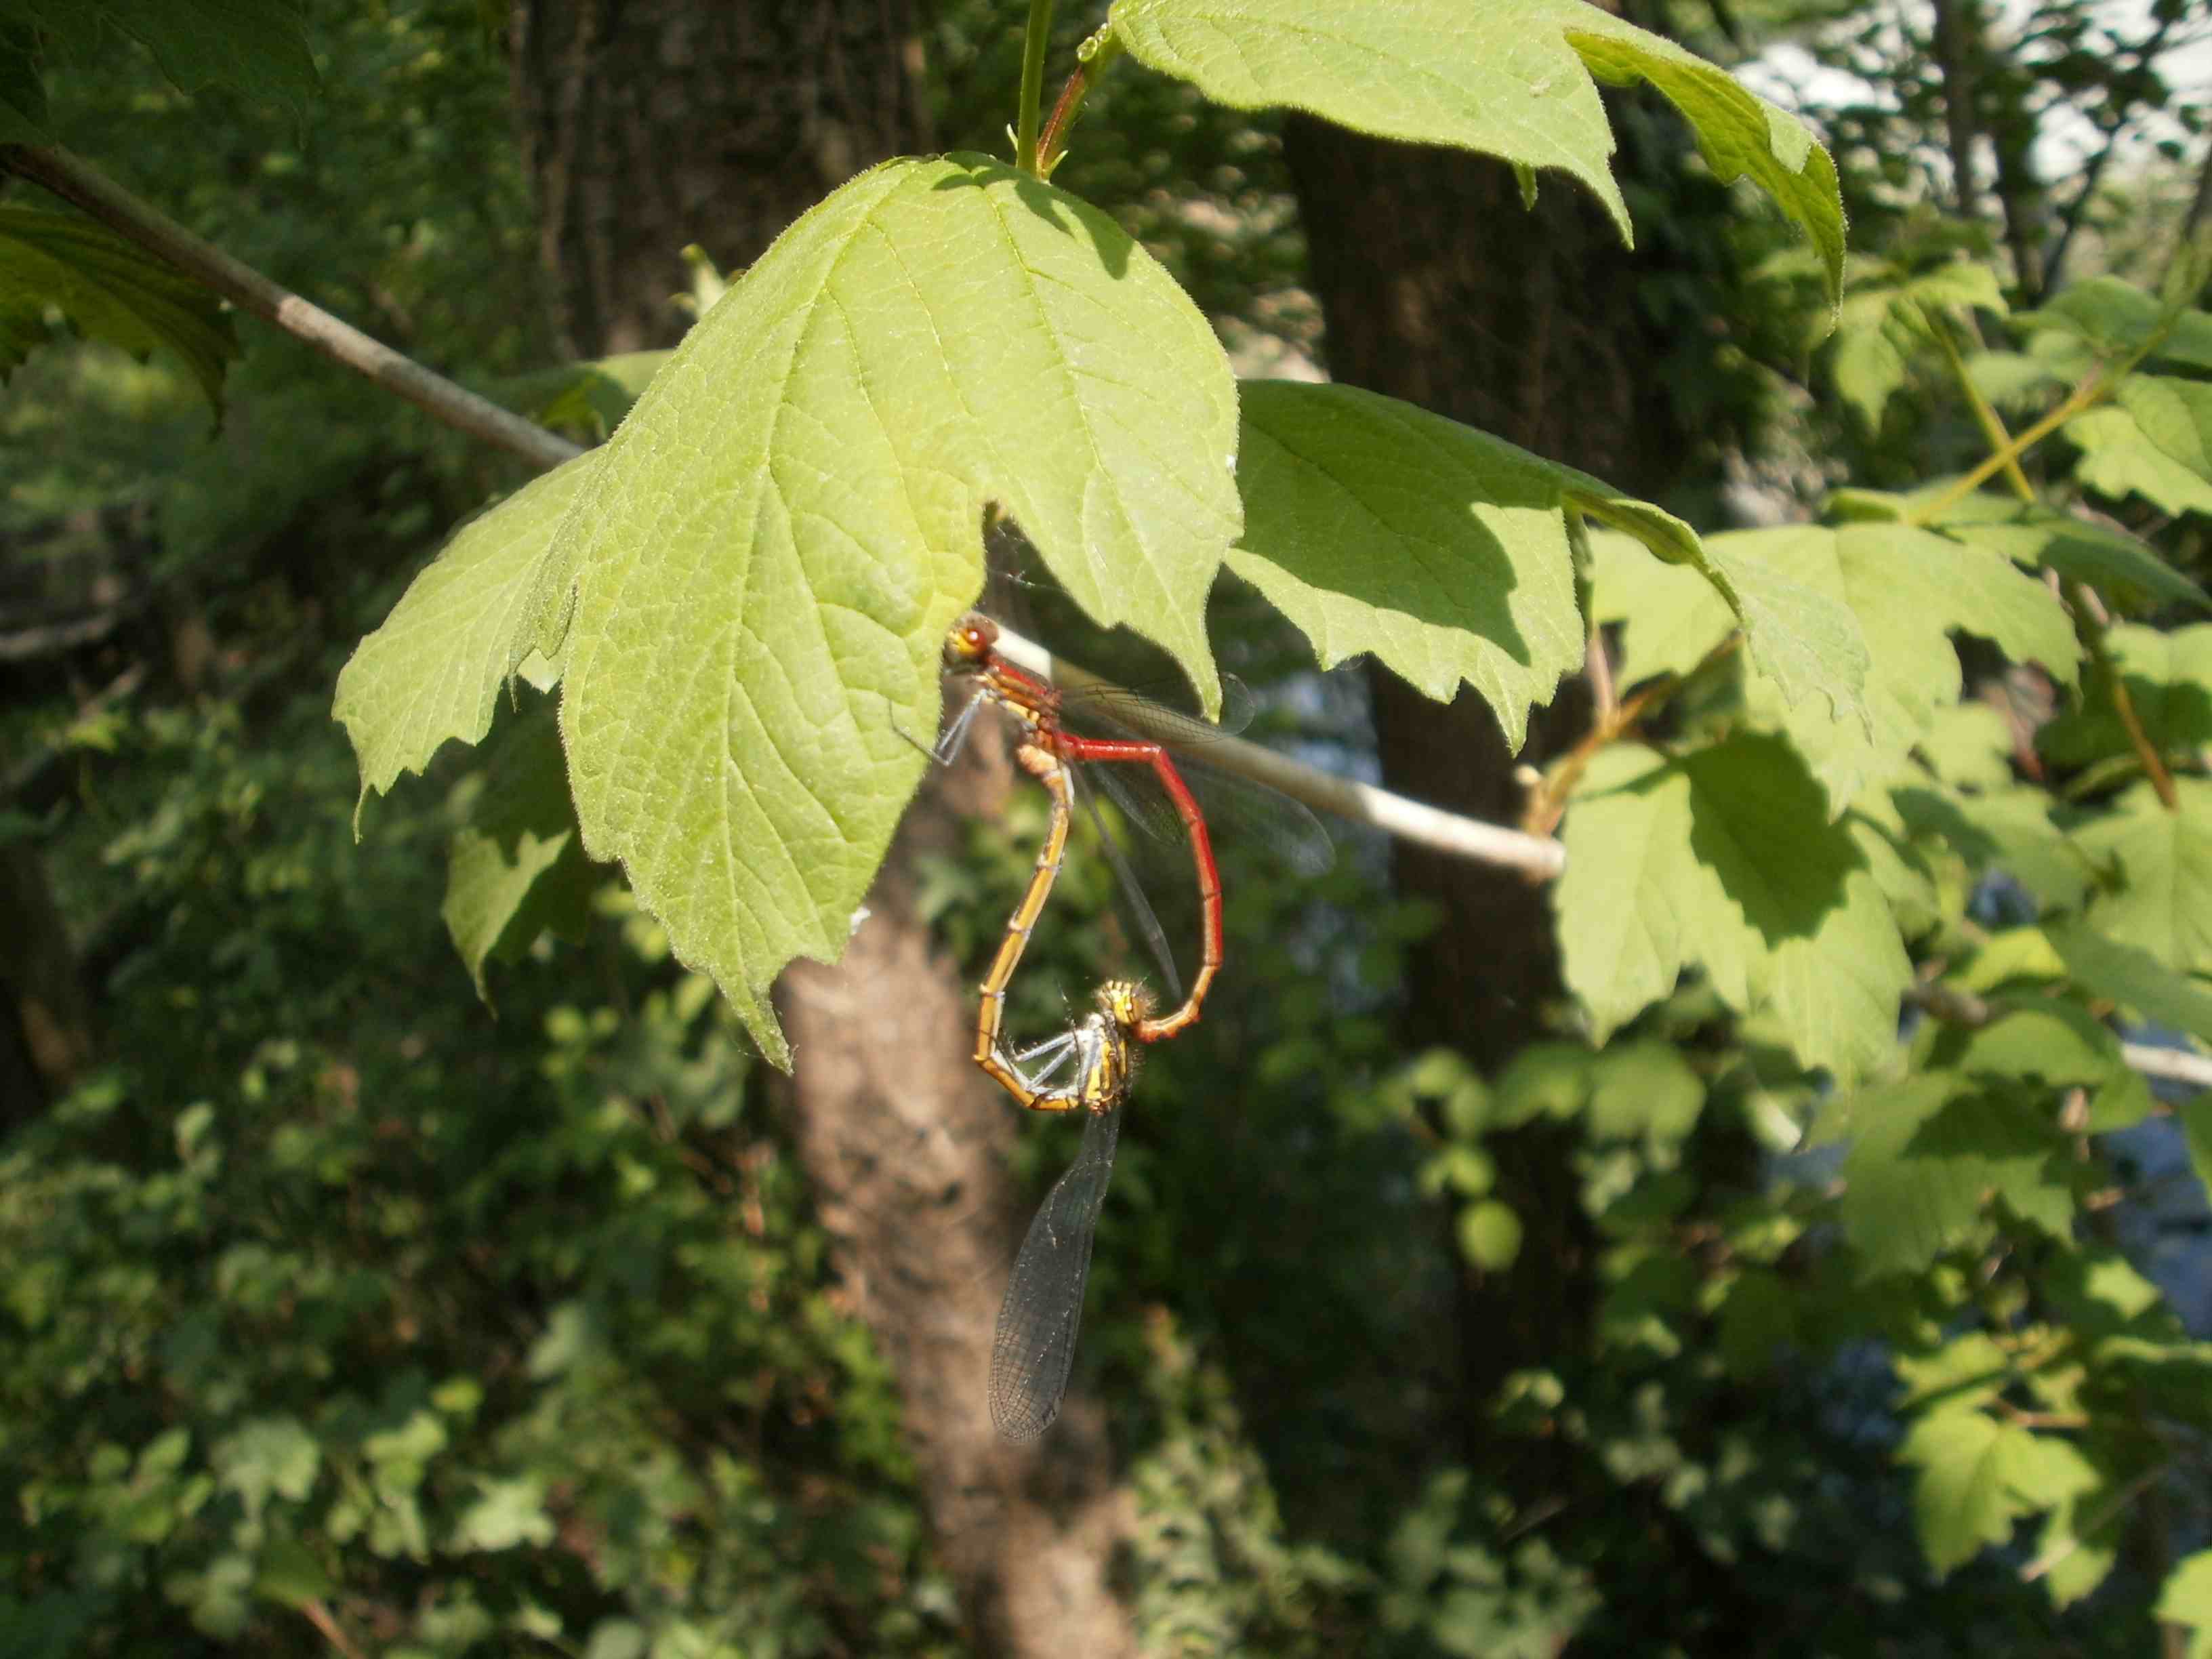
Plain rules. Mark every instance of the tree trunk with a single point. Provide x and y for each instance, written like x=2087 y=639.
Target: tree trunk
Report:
x=648 y=124
x=1958 y=42
x=46 y=1039
x=905 y=1142
x=1437 y=286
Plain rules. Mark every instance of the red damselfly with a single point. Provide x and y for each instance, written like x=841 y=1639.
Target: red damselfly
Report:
x=971 y=652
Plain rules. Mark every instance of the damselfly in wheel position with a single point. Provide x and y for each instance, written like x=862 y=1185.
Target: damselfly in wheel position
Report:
x=971 y=652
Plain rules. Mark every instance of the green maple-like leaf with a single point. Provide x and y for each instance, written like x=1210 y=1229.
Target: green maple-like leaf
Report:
x=1926 y=1156
x=439 y=666
x=754 y=586
x=1514 y=78
x=2163 y=901
x=2119 y=460
x=1724 y=860
x=1868 y=608
x=2186 y=1599
x=1377 y=527
x=1962 y=1499
x=2005 y=827
x=2134 y=979
x=1908 y=590
x=1886 y=318
x=257 y=46
x=2168 y=676
x=1806 y=647
x=517 y=868
x=2175 y=414
x=109 y=289
x=2123 y=568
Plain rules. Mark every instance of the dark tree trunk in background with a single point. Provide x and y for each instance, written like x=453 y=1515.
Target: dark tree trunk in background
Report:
x=1958 y=42
x=46 y=1017
x=649 y=124
x=1437 y=286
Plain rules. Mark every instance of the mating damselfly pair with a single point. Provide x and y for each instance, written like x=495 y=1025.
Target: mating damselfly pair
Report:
x=1090 y=1067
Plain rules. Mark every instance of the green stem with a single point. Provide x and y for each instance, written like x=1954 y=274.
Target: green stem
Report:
x=2088 y=615
x=1991 y=423
x=1034 y=42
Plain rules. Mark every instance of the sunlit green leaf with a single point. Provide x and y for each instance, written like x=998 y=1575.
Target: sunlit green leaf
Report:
x=2134 y=978
x=1978 y=1476
x=506 y=1513
x=2186 y=1599
x=2169 y=676
x=438 y=666
x=270 y=1455
x=760 y=571
x=1724 y=860
x=1927 y=1154
x=1517 y=79
x=2118 y=565
x=1377 y=527
x=2175 y=414
x=2119 y=460
x=2163 y=902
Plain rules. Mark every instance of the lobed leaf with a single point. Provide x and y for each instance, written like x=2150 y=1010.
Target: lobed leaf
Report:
x=754 y=586
x=2162 y=901
x=2107 y=557
x=2119 y=460
x=258 y=47
x=1908 y=590
x=1516 y=79
x=1378 y=527
x=436 y=669
x=1724 y=860
x=517 y=868
x=1926 y=1155
x=109 y=289
x=2133 y=978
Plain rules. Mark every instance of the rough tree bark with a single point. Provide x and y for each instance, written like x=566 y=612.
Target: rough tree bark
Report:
x=1437 y=286
x=649 y=124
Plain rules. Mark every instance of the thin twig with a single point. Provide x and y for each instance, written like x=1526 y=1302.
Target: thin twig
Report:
x=120 y=211
x=2089 y=618
x=1537 y=857
x=319 y=1616
x=1963 y=1008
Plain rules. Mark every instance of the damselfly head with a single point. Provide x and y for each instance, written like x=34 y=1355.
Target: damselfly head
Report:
x=1127 y=1002
x=971 y=640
